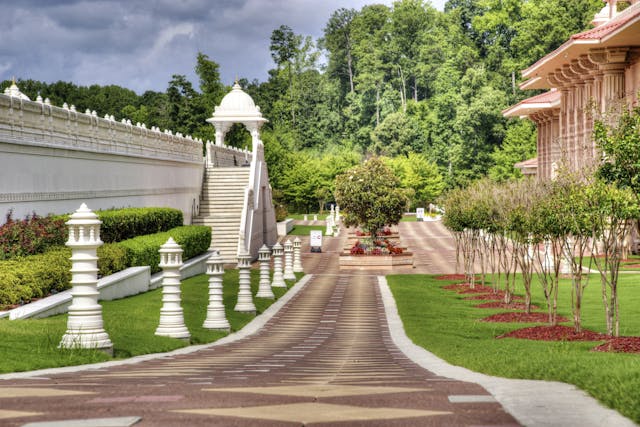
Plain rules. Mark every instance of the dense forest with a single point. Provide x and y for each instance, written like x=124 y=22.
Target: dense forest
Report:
x=421 y=87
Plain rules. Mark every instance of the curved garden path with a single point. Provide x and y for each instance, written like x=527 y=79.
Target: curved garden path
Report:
x=325 y=358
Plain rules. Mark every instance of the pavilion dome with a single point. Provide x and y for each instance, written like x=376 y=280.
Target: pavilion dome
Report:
x=237 y=105
x=14 y=92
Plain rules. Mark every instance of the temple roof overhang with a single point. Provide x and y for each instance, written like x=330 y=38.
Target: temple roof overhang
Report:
x=544 y=101
x=621 y=31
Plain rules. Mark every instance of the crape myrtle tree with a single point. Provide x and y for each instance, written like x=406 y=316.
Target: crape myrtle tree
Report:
x=548 y=230
x=618 y=139
x=370 y=196
x=613 y=210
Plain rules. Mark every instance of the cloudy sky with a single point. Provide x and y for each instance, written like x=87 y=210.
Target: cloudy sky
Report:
x=139 y=44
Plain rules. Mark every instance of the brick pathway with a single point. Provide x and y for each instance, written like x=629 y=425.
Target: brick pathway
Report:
x=325 y=359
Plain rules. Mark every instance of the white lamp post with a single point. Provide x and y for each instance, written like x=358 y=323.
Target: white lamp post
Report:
x=288 y=261
x=171 y=317
x=278 y=279
x=297 y=256
x=84 y=325
x=216 y=318
x=264 y=289
x=245 y=300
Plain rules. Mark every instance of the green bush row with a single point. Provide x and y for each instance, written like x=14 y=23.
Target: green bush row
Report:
x=127 y=223
x=35 y=276
x=143 y=250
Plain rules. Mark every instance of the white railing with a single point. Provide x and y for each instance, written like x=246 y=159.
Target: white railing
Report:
x=252 y=197
x=42 y=124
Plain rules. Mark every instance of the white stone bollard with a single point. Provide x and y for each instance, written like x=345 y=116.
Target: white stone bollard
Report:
x=264 y=289
x=306 y=218
x=329 y=230
x=245 y=299
x=171 y=317
x=338 y=215
x=216 y=317
x=315 y=217
x=297 y=256
x=288 y=261
x=84 y=325
x=278 y=279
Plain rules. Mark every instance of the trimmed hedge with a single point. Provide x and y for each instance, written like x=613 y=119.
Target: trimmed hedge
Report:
x=35 y=276
x=122 y=224
x=143 y=250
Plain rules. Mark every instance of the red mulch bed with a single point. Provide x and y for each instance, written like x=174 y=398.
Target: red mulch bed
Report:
x=493 y=296
x=499 y=304
x=520 y=317
x=554 y=333
x=620 y=345
x=451 y=277
x=464 y=288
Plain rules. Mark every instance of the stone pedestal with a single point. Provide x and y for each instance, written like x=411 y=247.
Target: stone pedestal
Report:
x=278 y=279
x=171 y=317
x=288 y=261
x=84 y=325
x=329 y=230
x=216 y=317
x=245 y=299
x=297 y=256
x=264 y=289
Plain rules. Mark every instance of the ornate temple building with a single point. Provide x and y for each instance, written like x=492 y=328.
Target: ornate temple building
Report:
x=590 y=75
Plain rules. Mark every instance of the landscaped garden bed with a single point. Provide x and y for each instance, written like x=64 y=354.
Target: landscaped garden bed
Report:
x=438 y=319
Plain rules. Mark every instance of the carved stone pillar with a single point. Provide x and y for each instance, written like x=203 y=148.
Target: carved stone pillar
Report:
x=216 y=316
x=278 y=279
x=612 y=63
x=84 y=324
x=171 y=316
x=264 y=289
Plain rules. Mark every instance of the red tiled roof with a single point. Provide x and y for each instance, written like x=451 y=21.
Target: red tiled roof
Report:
x=529 y=163
x=609 y=27
x=549 y=96
x=535 y=103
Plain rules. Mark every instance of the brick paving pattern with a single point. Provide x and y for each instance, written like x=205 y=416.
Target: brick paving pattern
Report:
x=325 y=359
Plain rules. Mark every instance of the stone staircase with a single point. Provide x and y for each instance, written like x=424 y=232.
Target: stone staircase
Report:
x=221 y=206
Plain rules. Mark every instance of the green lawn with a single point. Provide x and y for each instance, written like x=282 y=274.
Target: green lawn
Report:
x=442 y=322
x=130 y=322
x=632 y=263
x=303 y=230
x=309 y=216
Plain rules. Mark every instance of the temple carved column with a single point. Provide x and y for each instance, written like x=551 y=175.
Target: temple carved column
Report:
x=612 y=63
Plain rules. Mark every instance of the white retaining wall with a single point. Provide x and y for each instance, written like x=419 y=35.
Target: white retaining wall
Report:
x=52 y=159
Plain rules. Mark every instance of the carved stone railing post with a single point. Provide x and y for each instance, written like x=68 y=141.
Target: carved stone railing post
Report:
x=245 y=299
x=278 y=279
x=171 y=317
x=288 y=261
x=264 y=289
x=84 y=325
x=216 y=317
x=297 y=256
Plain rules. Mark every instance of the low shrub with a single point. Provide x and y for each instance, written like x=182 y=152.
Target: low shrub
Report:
x=32 y=235
x=35 y=276
x=143 y=250
x=122 y=224
x=25 y=278
x=112 y=257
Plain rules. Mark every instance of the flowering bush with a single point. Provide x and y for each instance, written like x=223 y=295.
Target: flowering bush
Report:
x=375 y=247
x=32 y=235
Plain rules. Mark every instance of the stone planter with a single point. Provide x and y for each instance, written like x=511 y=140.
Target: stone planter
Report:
x=364 y=262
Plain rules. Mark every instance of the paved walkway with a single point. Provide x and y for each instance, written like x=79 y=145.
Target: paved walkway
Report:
x=326 y=358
